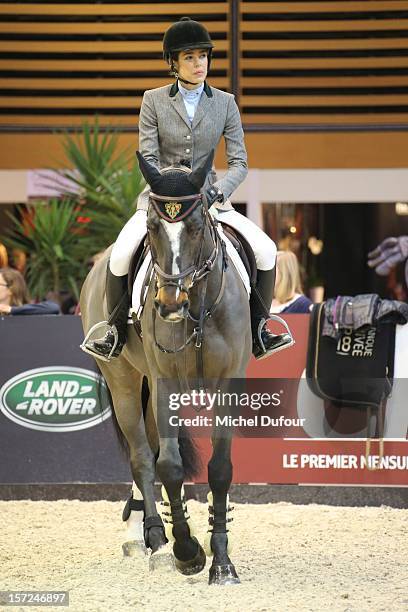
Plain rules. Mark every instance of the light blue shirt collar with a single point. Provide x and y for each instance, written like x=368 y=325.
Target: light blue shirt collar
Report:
x=191 y=98
x=191 y=94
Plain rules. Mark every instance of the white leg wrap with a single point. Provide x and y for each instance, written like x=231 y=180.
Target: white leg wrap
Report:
x=134 y=527
x=166 y=514
x=207 y=540
x=134 y=524
x=136 y=492
x=264 y=247
x=128 y=240
x=134 y=533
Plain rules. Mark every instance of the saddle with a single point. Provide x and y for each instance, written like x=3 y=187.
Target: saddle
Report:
x=244 y=249
x=354 y=370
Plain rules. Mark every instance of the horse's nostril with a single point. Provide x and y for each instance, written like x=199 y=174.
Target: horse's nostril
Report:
x=160 y=308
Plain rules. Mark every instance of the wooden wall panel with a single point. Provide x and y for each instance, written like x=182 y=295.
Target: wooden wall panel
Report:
x=324 y=63
x=61 y=63
x=334 y=67
x=265 y=150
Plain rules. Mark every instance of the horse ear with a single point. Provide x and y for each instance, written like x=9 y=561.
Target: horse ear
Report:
x=197 y=178
x=150 y=172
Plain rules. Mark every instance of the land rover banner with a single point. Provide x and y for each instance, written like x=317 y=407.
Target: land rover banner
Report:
x=55 y=423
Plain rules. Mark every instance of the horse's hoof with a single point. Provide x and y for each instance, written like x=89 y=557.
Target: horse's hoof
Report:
x=162 y=560
x=192 y=566
x=223 y=574
x=134 y=548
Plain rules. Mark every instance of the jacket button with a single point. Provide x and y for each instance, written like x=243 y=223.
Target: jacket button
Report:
x=188 y=137
x=187 y=150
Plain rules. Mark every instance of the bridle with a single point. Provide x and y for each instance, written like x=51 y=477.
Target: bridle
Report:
x=199 y=269
x=199 y=272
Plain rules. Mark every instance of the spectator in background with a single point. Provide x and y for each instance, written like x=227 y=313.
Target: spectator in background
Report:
x=289 y=297
x=3 y=256
x=14 y=297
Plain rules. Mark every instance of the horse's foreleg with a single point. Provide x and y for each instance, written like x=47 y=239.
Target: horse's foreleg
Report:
x=222 y=571
x=126 y=395
x=142 y=461
x=189 y=555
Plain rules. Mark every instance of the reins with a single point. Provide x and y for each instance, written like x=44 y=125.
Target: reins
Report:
x=199 y=271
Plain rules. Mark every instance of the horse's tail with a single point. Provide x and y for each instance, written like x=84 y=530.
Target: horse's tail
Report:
x=124 y=446
x=119 y=434
x=188 y=449
x=189 y=454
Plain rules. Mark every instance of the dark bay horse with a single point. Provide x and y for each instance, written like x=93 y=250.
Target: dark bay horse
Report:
x=195 y=322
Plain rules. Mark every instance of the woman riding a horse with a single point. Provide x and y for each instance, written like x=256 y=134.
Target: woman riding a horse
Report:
x=183 y=123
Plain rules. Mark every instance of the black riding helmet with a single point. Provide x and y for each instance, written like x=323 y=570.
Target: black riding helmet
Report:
x=185 y=34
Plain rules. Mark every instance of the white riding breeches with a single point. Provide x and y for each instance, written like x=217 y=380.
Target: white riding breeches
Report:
x=263 y=247
x=135 y=230
x=128 y=240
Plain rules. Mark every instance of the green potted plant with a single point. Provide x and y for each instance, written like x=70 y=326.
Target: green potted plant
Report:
x=105 y=183
x=98 y=196
x=49 y=235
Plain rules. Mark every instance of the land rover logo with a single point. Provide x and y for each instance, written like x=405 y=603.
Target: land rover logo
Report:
x=55 y=399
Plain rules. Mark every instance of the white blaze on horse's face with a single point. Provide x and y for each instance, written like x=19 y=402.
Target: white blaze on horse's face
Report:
x=171 y=303
x=173 y=231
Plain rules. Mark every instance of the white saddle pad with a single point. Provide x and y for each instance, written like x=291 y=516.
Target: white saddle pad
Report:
x=233 y=257
x=139 y=282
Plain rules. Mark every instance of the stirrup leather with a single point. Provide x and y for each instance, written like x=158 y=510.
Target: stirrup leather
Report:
x=86 y=345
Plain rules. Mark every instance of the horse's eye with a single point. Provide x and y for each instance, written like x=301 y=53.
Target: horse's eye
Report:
x=152 y=226
x=193 y=225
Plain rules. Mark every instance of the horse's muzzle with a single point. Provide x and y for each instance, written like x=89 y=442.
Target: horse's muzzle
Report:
x=171 y=304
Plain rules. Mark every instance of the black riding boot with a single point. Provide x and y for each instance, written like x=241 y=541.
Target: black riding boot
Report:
x=264 y=342
x=118 y=307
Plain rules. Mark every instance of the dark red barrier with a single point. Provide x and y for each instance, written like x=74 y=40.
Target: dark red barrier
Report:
x=81 y=447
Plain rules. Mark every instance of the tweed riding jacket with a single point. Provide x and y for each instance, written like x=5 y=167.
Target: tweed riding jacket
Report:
x=167 y=137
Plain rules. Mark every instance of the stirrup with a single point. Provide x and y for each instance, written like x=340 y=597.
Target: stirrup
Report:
x=87 y=347
x=268 y=352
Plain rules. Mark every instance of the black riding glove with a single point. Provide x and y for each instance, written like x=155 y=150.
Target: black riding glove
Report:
x=213 y=194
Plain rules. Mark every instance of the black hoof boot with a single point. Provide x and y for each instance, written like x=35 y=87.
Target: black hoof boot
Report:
x=223 y=574
x=194 y=565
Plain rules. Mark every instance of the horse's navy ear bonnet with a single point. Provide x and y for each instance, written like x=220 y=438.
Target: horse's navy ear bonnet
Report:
x=173 y=209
